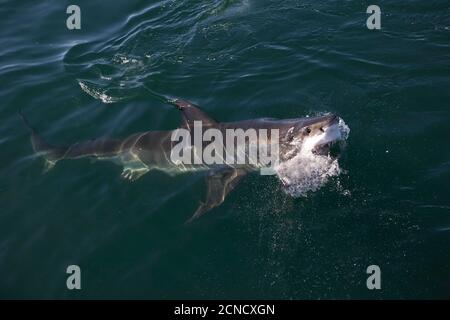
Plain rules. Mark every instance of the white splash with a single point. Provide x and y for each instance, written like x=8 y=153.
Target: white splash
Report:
x=97 y=93
x=307 y=171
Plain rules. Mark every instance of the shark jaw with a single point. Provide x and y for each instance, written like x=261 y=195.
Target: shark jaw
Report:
x=313 y=165
x=330 y=135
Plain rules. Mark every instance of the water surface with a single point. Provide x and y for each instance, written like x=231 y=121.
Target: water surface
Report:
x=236 y=59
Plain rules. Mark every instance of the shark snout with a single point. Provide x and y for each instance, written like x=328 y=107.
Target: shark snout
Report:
x=333 y=119
x=329 y=120
x=322 y=122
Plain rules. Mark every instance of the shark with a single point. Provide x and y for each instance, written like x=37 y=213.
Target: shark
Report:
x=148 y=151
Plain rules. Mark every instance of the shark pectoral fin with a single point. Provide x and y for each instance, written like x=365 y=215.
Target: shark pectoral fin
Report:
x=219 y=185
x=133 y=174
x=48 y=165
x=202 y=208
x=191 y=113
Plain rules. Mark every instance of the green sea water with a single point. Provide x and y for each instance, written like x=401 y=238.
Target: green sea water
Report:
x=237 y=59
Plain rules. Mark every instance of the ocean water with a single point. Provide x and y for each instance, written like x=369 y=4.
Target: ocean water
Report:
x=237 y=59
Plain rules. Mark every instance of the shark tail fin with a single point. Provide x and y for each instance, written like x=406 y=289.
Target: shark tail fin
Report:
x=50 y=153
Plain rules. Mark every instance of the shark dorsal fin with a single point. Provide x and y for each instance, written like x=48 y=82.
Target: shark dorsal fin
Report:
x=191 y=113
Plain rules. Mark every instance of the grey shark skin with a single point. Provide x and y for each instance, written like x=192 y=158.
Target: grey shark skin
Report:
x=146 y=151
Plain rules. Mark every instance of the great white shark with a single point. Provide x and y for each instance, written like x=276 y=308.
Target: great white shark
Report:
x=150 y=150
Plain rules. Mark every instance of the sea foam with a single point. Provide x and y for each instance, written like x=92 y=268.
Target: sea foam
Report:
x=307 y=171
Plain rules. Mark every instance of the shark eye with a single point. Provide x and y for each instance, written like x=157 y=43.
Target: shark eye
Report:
x=308 y=130
x=321 y=129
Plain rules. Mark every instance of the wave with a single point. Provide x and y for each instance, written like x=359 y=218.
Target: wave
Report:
x=98 y=93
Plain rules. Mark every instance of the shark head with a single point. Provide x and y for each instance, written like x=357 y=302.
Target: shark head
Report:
x=310 y=135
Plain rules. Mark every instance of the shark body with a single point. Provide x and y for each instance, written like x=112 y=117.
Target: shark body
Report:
x=151 y=150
